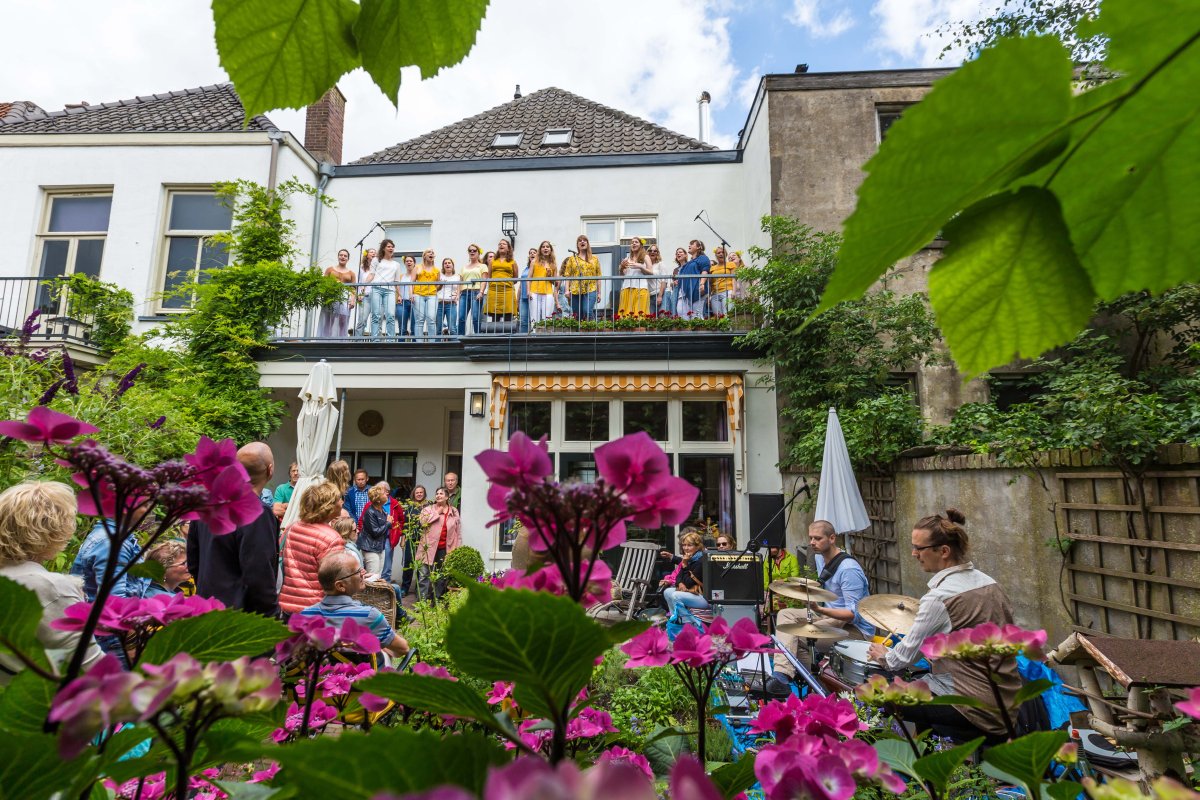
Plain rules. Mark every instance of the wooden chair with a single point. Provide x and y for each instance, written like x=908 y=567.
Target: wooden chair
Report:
x=631 y=584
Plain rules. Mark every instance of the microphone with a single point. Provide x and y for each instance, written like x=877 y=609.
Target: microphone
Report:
x=805 y=489
x=697 y=217
x=572 y=252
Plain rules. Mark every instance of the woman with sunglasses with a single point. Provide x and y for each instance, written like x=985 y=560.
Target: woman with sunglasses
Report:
x=470 y=299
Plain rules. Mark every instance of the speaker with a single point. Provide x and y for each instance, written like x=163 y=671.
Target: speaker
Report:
x=766 y=519
x=732 y=612
x=732 y=577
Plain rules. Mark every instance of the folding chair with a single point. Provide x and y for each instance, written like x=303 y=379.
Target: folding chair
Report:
x=632 y=582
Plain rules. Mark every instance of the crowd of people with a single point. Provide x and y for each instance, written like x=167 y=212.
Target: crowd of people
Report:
x=432 y=300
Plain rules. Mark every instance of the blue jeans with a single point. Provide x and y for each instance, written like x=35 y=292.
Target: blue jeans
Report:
x=668 y=301
x=523 y=313
x=426 y=310
x=687 y=600
x=404 y=312
x=469 y=303
x=718 y=303
x=688 y=307
x=583 y=306
x=383 y=306
x=447 y=317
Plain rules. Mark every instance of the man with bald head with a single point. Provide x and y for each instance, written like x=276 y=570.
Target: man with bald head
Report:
x=240 y=568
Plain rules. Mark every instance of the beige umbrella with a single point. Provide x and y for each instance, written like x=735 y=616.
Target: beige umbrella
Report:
x=315 y=426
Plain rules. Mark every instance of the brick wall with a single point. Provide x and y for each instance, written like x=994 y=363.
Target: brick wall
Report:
x=324 y=127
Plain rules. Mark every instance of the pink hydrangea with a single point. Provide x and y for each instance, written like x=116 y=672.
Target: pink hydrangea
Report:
x=590 y=723
x=811 y=716
x=984 y=641
x=95 y=700
x=629 y=757
x=1191 y=706
x=877 y=691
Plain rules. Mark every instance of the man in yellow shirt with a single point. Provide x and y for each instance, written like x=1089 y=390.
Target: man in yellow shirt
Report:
x=583 y=293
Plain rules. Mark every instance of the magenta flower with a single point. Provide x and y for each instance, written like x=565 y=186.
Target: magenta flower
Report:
x=527 y=462
x=692 y=648
x=812 y=716
x=373 y=702
x=668 y=502
x=212 y=457
x=633 y=464
x=623 y=755
x=92 y=702
x=321 y=715
x=527 y=778
x=984 y=641
x=650 y=648
x=46 y=425
x=743 y=638
x=314 y=630
x=266 y=774
x=359 y=637
x=501 y=690
x=590 y=723
x=690 y=782
x=421 y=668
x=167 y=608
x=1191 y=706
x=232 y=501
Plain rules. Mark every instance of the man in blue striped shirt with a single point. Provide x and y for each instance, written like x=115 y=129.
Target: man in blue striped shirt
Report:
x=341 y=577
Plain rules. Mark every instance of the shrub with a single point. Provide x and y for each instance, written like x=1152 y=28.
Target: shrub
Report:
x=466 y=561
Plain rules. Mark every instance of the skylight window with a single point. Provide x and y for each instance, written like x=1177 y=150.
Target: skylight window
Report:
x=507 y=139
x=557 y=136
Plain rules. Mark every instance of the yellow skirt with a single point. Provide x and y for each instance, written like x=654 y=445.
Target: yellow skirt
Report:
x=634 y=302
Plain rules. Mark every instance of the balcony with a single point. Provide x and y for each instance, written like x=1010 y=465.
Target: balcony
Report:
x=62 y=318
x=569 y=333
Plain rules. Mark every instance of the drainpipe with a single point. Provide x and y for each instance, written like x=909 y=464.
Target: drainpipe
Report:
x=702 y=111
x=325 y=174
x=276 y=137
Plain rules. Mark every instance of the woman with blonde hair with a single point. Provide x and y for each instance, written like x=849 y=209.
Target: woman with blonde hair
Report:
x=635 y=288
x=363 y=307
x=374 y=529
x=404 y=298
x=425 y=291
x=582 y=294
x=37 y=520
x=542 y=293
x=305 y=543
x=470 y=298
x=684 y=587
x=172 y=554
x=338 y=473
x=446 y=322
x=501 y=301
x=384 y=273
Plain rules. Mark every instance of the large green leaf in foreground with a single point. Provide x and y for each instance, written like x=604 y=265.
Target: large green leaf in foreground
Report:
x=284 y=53
x=1010 y=284
x=979 y=128
x=216 y=636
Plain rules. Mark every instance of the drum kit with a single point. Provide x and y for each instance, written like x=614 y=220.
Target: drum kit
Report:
x=849 y=664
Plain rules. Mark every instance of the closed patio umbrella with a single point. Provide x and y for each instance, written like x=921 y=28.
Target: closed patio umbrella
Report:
x=315 y=426
x=838 y=499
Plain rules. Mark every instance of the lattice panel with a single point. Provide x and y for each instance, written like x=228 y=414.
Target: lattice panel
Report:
x=876 y=548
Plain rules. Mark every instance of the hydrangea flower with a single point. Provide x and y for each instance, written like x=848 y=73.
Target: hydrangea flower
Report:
x=624 y=755
x=877 y=691
x=984 y=641
x=1191 y=706
x=47 y=426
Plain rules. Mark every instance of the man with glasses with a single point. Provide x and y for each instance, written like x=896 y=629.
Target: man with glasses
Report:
x=341 y=578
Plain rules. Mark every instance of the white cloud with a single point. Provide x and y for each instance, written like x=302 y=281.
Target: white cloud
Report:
x=908 y=30
x=814 y=17
x=650 y=59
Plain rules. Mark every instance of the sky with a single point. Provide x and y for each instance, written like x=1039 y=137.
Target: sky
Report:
x=650 y=58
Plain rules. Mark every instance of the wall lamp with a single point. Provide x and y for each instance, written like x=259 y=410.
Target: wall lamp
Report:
x=508 y=225
x=478 y=403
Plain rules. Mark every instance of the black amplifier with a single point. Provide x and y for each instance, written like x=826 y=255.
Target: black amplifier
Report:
x=732 y=577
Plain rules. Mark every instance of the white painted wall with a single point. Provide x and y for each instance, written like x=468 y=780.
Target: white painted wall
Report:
x=756 y=175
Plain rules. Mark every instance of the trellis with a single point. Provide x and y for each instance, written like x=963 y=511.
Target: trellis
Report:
x=876 y=548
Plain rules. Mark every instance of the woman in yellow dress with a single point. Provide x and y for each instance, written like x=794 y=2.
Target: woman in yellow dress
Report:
x=635 y=288
x=501 y=301
x=543 y=294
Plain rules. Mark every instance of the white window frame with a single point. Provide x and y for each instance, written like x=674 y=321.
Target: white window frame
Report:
x=619 y=225
x=555 y=134
x=44 y=233
x=414 y=224
x=500 y=140
x=167 y=234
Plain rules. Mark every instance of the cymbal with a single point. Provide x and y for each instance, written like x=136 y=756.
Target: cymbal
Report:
x=892 y=612
x=811 y=630
x=800 y=591
x=803 y=581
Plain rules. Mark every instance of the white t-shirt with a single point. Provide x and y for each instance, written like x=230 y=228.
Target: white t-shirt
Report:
x=635 y=278
x=448 y=287
x=386 y=271
x=663 y=269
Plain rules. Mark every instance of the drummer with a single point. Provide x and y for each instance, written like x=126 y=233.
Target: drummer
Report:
x=959 y=596
x=839 y=573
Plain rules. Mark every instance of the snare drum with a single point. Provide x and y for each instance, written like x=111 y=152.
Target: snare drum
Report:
x=851 y=663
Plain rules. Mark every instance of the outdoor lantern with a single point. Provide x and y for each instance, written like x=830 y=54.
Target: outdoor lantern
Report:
x=478 y=403
x=508 y=224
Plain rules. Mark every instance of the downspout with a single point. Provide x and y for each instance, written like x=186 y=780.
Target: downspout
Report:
x=325 y=174
x=276 y=137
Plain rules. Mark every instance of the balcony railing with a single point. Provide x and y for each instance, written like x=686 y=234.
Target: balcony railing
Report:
x=717 y=306
x=59 y=320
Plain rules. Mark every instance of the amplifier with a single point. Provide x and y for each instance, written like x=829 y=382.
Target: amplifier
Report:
x=731 y=577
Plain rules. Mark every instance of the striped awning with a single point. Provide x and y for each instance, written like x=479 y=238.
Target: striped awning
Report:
x=729 y=384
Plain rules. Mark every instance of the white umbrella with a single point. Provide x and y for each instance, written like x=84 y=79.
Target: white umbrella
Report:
x=838 y=499
x=315 y=426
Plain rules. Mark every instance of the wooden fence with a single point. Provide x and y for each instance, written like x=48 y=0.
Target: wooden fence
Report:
x=876 y=548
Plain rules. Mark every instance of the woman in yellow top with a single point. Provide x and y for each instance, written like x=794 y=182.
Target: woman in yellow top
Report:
x=470 y=299
x=582 y=293
x=425 y=297
x=543 y=299
x=720 y=288
x=501 y=301
x=635 y=289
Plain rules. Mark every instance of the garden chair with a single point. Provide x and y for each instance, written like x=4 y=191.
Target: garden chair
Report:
x=635 y=574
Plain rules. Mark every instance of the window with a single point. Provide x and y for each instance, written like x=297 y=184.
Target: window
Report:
x=585 y=422
x=705 y=421
x=557 y=136
x=410 y=238
x=507 y=139
x=620 y=230
x=531 y=418
x=454 y=444
x=886 y=116
x=193 y=218
x=72 y=239
x=713 y=476
x=649 y=416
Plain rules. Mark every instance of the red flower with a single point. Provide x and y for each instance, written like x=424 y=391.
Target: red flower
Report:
x=46 y=425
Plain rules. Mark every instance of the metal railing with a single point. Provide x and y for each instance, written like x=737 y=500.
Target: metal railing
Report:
x=528 y=306
x=59 y=320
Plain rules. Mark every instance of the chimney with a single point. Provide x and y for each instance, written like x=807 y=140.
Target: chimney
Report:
x=324 y=125
x=801 y=69
x=702 y=105
x=517 y=93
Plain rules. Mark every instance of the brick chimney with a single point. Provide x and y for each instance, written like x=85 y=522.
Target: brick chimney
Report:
x=324 y=125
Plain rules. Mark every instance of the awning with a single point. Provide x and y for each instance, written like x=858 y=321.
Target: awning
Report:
x=502 y=385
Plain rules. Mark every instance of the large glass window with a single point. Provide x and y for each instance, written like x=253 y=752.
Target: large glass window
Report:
x=585 y=422
x=410 y=238
x=193 y=218
x=705 y=421
x=713 y=476
x=649 y=416
x=531 y=417
x=72 y=240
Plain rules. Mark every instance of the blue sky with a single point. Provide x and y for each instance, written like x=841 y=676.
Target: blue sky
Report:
x=651 y=58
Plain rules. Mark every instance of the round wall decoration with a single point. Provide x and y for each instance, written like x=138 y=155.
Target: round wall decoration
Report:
x=429 y=468
x=370 y=423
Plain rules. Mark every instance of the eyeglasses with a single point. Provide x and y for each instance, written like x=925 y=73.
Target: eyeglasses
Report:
x=361 y=572
x=919 y=548
x=177 y=564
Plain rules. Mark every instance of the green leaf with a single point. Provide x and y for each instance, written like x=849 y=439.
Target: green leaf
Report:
x=398 y=760
x=951 y=150
x=1063 y=790
x=216 y=636
x=545 y=645
x=20 y=613
x=26 y=703
x=623 y=631
x=1129 y=192
x=1025 y=759
x=733 y=779
x=957 y=700
x=663 y=749
x=284 y=53
x=430 y=34
x=153 y=570
x=898 y=755
x=236 y=740
x=1031 y=690
x=1010 y=284
x=254 y=791
x=938 y=767
x=426 y=693
x=30 y=766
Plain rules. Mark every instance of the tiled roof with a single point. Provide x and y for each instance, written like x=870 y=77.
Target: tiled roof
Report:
x=18 y=110
x=596 y=130
x=206 y=109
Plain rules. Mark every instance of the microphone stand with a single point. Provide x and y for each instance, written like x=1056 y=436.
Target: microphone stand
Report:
x=362 y=300
x=704 y=222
